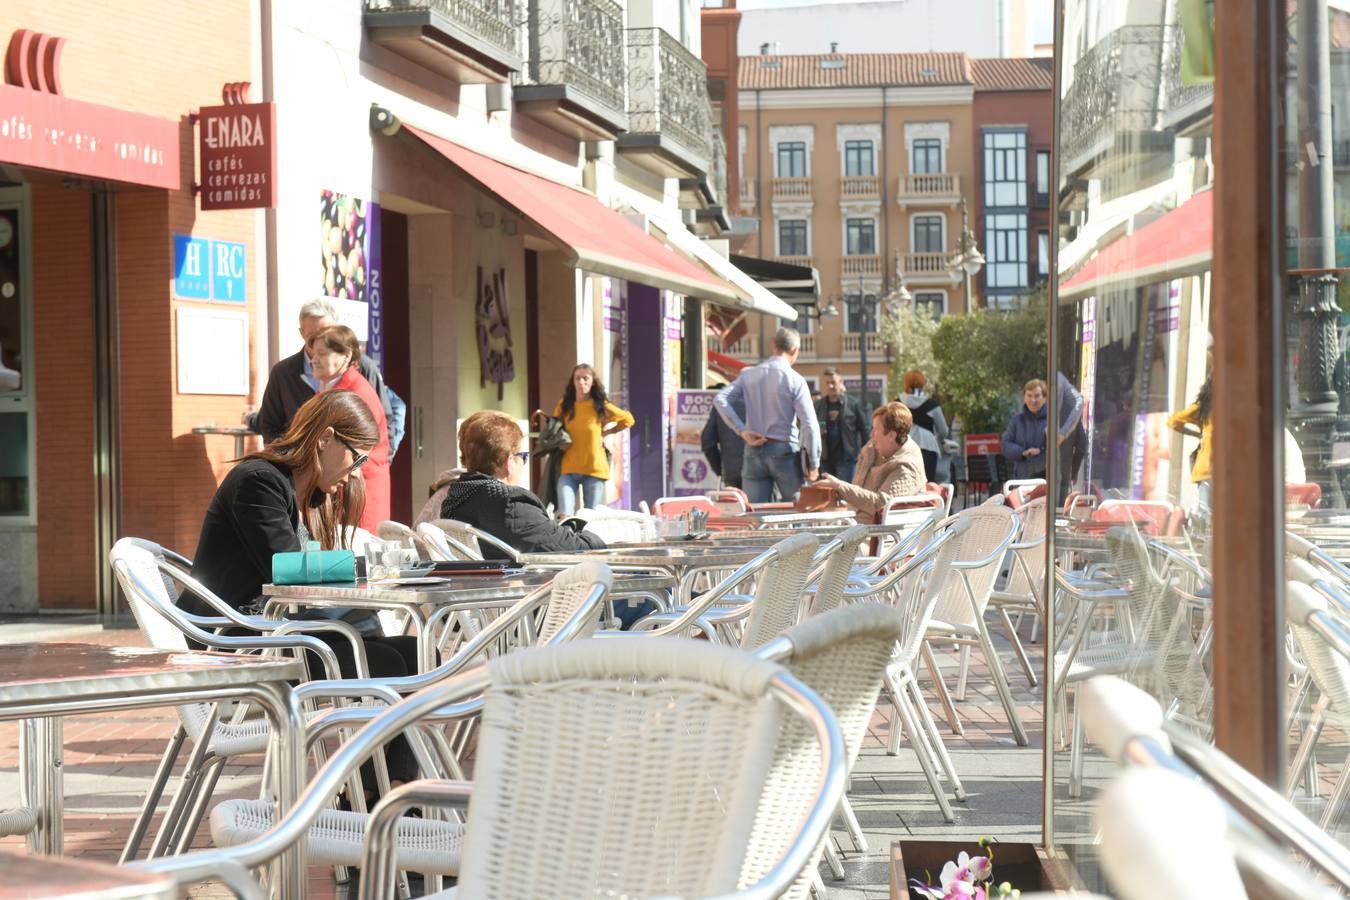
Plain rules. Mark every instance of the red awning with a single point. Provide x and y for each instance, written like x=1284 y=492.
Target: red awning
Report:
x=726 y=366
x=599 y=239
x=1178 y=243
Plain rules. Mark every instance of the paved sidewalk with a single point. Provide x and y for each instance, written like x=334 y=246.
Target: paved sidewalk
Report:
x=110 y=759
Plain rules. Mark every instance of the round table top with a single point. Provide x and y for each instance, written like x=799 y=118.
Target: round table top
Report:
x=53 y=877
x=453 y=589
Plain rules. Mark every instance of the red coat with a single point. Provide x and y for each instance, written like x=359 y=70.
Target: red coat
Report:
x=375 y=472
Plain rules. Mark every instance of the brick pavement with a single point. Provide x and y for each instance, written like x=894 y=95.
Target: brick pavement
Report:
x=111 y=757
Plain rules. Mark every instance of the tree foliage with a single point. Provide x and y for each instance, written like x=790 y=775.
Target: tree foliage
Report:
x=978 y=361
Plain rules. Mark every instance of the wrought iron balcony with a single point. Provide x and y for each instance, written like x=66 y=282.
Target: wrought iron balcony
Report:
x=710 y=220
x=1114 y=93
x=471 y=41
x=929 y=189
x=575 y=73
x=669 y=114
x=1181 y=100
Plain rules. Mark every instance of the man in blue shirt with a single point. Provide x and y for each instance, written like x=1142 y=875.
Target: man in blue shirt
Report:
x=779 y=423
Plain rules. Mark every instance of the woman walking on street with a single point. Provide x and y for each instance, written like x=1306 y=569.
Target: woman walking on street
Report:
x=589 y=417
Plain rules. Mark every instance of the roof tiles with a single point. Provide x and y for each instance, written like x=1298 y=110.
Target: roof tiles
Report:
x=1012 y=75
x=840 y=70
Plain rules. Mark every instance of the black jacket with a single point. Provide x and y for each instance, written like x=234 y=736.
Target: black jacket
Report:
x=287 y=390
x=854 y=428
x=512 y=514
x=252 y=516
x=722 y=446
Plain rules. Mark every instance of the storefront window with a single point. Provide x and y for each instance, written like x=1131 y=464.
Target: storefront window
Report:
x=1130 y=357
x=1316 y=408
x=16 y=458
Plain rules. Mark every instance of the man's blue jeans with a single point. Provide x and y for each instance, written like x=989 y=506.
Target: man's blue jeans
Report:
x=775 y=464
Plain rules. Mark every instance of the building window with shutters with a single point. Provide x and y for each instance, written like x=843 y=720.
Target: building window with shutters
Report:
x=791 y=159
x=859 y=160
x=861 y=237
x=925 y=156
x=928 y=236
x=792 y=238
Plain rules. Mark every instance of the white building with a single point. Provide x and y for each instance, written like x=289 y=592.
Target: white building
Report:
x=979 y=28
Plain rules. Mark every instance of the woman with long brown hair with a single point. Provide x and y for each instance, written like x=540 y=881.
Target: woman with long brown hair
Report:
x=304 y=486
x=589 y=417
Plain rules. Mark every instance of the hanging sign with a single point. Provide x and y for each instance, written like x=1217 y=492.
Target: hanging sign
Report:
x=237 y=151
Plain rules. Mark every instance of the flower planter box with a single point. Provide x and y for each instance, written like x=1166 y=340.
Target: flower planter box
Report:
x=1026 y=866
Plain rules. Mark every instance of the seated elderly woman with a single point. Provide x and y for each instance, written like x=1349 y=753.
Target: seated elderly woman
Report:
x=889 y=466
x=481 y=497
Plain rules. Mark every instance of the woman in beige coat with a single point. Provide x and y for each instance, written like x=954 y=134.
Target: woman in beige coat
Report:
x=889 y=466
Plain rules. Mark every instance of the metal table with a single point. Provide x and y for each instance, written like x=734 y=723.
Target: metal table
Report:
x=240 y=433
x=57 y=877
x=419 y=601
x=39 y=683
x=682 y=560
x=783 y=519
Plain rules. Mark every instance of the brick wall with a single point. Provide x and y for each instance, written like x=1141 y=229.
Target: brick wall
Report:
x=163 y=59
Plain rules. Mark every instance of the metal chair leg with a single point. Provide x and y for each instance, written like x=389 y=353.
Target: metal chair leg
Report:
x=833 y=859
x=1339 y=793
x=162 y=774
x=1001 y=685
x=168 y=828
x=851 y=823
x=912 y=732
x=1018 y=648
x=964 y=673
x=818 y=886
x=944 y=758
x=1076 y=754
x=193 y=821
x=953 y=720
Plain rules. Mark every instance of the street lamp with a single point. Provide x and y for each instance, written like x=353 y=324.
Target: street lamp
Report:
x=967 y=260
x=865 y=303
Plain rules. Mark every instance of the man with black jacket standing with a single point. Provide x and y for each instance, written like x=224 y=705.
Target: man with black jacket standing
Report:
x=844 y=426
x=291 y=382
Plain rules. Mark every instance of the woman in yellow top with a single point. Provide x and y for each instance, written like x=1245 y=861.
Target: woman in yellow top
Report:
x=588 y=416
x=1197 y=416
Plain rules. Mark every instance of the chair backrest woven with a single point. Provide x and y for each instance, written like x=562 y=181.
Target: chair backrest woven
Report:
x=917 y=600
x=730 y=500
x=397 y=531
x=989 y=526
x=665 y=744
x=1328 y=668
x=1031 y=518
x=778 y=596
x=436 y=534
x=136 y=565
x=678 y=506
x=842 y=656
x=830 y=589
x=570 y=587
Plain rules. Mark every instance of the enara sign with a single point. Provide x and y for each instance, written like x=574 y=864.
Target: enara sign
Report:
x=227 y=132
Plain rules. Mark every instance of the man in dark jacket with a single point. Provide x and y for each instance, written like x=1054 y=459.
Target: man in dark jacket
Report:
x=1024 y=438
x=844 y=427
x=291 y=383
x=488 y=444
x=722 y=446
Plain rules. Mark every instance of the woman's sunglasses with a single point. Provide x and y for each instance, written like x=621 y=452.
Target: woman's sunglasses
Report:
x=358 y=459
x=522 y=455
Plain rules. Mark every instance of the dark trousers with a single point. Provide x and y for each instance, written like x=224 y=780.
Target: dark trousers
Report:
x=930 y=461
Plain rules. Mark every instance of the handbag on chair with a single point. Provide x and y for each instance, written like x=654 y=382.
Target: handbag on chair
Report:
x=816 y=497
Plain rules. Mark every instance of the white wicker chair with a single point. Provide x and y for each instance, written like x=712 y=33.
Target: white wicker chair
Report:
x=574 y=602
x=958 y=616
x=915 y=588
x=842 y=655
x=1323 y=639
x=830 y=577
x=443 y=547
x=738 y=803
x=1024 y=589
x=150 y=582
x=396 y=531
x=463 y=535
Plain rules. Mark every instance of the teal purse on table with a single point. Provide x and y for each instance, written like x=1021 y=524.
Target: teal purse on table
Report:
x=313 y=565
x=317 y=566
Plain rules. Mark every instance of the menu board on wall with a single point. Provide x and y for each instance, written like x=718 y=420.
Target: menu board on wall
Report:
x=349 y=257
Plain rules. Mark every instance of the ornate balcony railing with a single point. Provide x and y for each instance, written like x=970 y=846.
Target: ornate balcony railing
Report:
x=580 y=44
x=1177 y=95
x=862 y=264
x=925 y=263
x=471 y=40
x=808 y=342
x=795 y=260
x=860 y=187
x=792 y=189
x=747 y=193
x=929 y=188
x=1114 y=88
x=717 y=174
x=746 y=348
x=668 y=93
x=853 y=343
